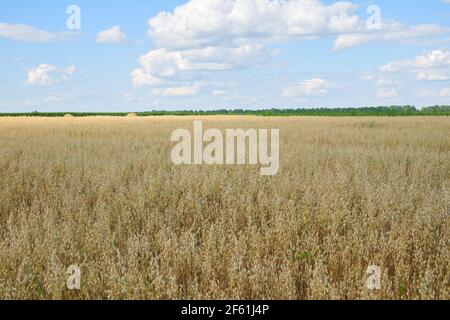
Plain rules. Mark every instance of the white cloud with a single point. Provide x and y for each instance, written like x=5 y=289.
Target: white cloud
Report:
x=431 y=66
x=111 y=36
x=161 y=63
x=183 y=91
x=142 y=78
x=312 y=87
x=201 y=23
x=22 y=32
x=390 y=31
x=47 y=74
x=386 y=93
x=217 y=35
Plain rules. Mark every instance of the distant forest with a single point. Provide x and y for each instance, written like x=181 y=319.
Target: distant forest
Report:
x=337 y=112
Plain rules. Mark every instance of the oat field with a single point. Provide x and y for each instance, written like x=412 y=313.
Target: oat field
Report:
x=103 y=194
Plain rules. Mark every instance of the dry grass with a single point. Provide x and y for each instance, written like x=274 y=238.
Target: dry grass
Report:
x=102 y=193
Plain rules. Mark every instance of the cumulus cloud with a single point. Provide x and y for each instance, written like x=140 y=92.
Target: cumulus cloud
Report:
x=22 y=32
x=202 y=23
x=111 y=36
x=162 y=63
x=142 y=78
x=431 y=66
x=217 y=35
x=307 y=88
x=47 y=74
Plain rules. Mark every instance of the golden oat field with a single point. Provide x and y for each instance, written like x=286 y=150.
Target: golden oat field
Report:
x=103 y=194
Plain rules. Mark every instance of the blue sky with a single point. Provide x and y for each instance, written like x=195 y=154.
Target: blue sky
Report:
x=212 y=54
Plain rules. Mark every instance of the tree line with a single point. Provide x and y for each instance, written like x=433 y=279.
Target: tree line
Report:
x=335 y=112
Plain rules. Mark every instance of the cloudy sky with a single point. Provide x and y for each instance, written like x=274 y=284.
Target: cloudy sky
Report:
x=211 y=54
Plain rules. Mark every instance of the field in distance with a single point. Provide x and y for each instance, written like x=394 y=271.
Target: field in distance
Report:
x=103 y=194
x=382 y=111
